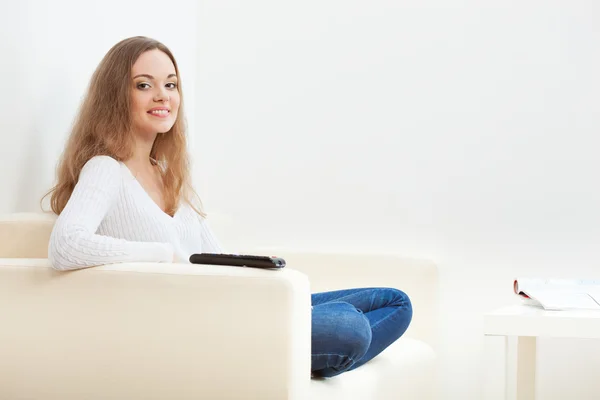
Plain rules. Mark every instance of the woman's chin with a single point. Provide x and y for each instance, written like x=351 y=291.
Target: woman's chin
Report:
x=162 y=128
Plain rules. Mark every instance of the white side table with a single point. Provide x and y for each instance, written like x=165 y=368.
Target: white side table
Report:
x=513 y=331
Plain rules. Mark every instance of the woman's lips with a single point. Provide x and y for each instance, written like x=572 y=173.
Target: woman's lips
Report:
x=159 y=112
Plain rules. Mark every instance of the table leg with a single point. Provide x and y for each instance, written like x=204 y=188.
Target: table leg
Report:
x=510 y=368
x=520 y=367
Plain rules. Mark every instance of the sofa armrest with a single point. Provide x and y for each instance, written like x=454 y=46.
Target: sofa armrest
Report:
x=152 y=331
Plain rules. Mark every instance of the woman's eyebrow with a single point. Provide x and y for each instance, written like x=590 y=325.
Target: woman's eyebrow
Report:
x=151 y=77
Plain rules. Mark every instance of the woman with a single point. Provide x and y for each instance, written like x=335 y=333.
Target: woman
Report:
x=123 y=194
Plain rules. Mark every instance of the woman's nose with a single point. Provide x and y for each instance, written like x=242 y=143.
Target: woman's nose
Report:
x=161 y=95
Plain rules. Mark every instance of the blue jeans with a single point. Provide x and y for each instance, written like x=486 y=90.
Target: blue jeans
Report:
x=350 y=327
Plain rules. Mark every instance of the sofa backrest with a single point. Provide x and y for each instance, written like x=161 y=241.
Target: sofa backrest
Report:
x=25 y=235
x=419 y=279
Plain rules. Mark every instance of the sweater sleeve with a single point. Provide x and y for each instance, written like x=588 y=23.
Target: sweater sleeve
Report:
x=210 y=244
x=74 y=243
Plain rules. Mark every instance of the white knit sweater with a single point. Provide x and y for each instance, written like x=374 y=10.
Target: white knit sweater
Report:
x=110 y=218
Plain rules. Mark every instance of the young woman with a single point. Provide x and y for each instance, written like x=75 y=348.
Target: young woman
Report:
x=123 y=194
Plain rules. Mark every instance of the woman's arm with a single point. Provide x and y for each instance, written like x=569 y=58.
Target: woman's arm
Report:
x=74 y=243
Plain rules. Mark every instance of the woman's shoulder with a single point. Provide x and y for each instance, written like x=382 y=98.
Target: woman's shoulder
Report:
x=102 y=161
x=102 y=166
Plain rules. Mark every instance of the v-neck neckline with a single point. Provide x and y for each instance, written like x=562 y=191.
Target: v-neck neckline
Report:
x=147 y=195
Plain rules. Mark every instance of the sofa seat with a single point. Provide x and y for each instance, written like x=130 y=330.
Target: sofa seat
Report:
x=405 y=370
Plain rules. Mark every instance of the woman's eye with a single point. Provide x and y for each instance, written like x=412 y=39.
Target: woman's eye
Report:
x=172 y=85
x=143 y=85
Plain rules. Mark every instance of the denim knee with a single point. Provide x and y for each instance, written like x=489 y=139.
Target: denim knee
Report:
x=401 y=301
x=399 y=298
x=353 y=331
x=341 y=336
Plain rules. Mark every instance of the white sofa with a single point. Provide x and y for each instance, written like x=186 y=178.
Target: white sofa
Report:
x=144 y=331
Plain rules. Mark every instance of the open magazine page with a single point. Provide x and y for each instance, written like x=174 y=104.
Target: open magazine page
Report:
x=559 y=294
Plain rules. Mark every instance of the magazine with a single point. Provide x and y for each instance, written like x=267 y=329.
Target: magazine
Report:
x=559 y=294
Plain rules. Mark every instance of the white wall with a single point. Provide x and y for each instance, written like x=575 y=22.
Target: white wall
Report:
x=48 y=52
x=461 y=131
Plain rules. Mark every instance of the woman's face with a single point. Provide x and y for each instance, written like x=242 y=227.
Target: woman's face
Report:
x=155 y=95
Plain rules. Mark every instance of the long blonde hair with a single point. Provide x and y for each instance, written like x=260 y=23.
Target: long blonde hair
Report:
x=103 y=127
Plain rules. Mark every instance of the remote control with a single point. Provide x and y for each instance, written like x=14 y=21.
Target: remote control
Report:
x=238 y=260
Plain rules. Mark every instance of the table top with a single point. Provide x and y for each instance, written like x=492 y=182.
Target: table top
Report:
x=526 y=320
